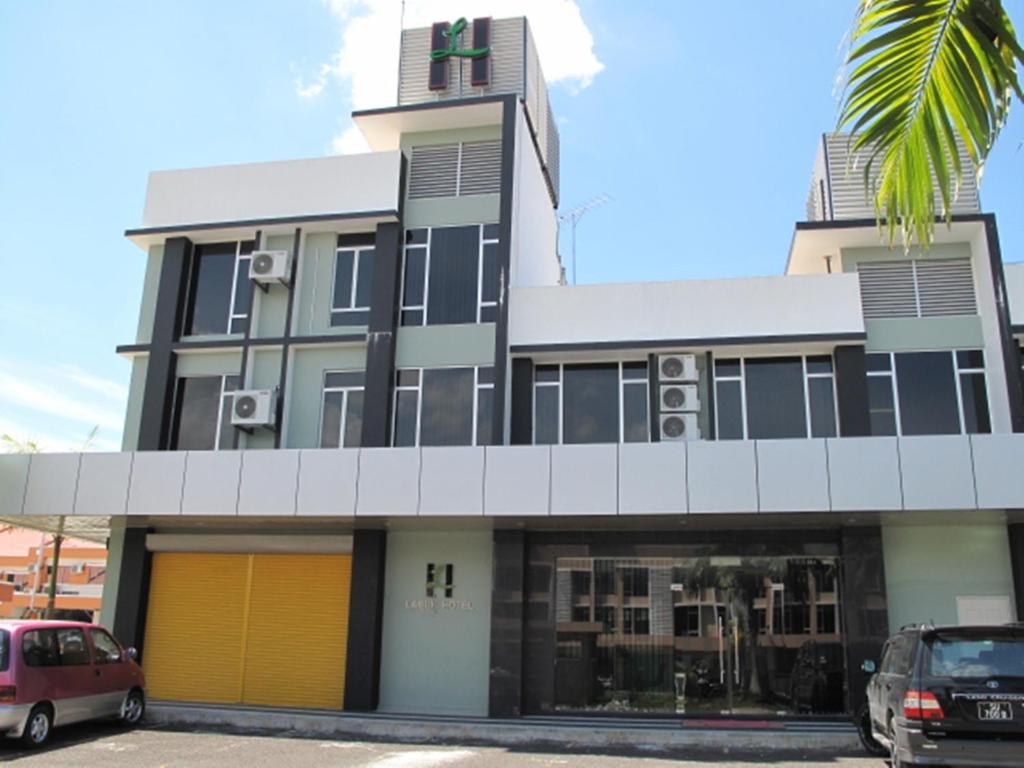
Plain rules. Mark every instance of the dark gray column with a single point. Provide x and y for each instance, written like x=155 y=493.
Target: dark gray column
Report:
x=1016 y=535
x=522 y=401
x=852 y=391
x=132 y=590
x=865 y=614
x=158 y=393
x=382 y=335
x=1011 y=352
x=507 y=624
x=366 y=616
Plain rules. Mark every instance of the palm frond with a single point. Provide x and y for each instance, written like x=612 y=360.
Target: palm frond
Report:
x=926 y=77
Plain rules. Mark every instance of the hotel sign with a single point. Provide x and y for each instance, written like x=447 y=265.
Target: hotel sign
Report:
x=439 y=591
x=445 y=45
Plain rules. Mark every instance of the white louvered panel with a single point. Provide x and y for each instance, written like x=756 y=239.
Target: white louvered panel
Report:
x=433 y=171
x=554 y=153
x=414 y=74
x=946 y=287
x=887 y=289
x=480 y=172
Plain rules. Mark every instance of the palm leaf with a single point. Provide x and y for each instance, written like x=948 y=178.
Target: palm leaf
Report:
x=926 y=77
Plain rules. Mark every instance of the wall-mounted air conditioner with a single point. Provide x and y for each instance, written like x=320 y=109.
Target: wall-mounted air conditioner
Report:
x=268 y=267
x=78 y=568
x=254 y=408
x=677 y=368
x=677 y=398
x=679 y=426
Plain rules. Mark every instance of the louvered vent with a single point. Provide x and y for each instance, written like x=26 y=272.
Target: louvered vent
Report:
x=946 y=287
x=434 y=171
x=480 y=173
x=917 y=288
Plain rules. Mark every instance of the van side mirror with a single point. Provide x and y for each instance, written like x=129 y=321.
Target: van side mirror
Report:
x=130 y=654
x=868 y=666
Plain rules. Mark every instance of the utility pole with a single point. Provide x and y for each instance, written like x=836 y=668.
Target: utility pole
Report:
x=574 y=216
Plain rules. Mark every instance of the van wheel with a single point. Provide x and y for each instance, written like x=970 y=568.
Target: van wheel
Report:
x=38 y=726
x=134 y=708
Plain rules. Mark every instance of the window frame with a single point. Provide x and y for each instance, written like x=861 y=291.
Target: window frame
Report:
x=358 y=252
x=222 y=400
x=244 y=250
x=480 y=303
x=345 y=390
x=233 y=314
x=478 y=385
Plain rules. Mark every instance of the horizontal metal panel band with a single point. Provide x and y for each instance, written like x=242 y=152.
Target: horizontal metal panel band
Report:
x=377 y=214
x=248 y=543
x=691 y=342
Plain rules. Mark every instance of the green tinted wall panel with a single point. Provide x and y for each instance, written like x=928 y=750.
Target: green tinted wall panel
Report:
x=305 y=389
x=133 y=412
x=209 y=363
x=852 y=256
x=265 y=373
x=150 y=285
x=272 y=306
x=452 y=211
x=923 y=333
x=445 y=345
x=921 y=585
x=435 y=658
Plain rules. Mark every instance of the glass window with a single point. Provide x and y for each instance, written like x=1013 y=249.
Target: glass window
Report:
x=71 y=645
x=241 y=298
x=203 y=413
x=219 y=292
x=484 y=405
x=927 y=393
x=107 y=649
x=881 y=404
x=729 y=409
x=774 y=389
x=970 y=366
x=590 y=403
x=966 y=657
x=822 y=405
x=39 y=648
x=353 y=279
x=635 y=424
x=341 y=421
x=5 y=653
x=545 y=415
x=443 y=406
x=406 y=416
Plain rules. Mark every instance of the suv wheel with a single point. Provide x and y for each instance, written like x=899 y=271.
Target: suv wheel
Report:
x=894 y=753
x=38 y=726
x=867 y=738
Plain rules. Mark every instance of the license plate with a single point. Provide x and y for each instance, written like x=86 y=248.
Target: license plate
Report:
x=995 y=710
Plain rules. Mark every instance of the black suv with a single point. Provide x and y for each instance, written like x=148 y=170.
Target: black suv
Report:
x=950 y=696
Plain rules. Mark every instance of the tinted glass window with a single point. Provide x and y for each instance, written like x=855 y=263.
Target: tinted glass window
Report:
x=881 y=406
x=484 y=415
x=823 y=407
x=975 y=403
x=39 y=648
x=330 y=420
x=489 y=279
x=634 y=412
x=967 y=657
x=927 y=393
x=415 y=276
x=344 y=274
x=243 y=293
x=545 y=415
x=725 y=368
x=72 y=647
x=775 y=398
x=406 y=402
x=198 y=404
x=729 y=407
x=212 y=276
x=590 y=403
x=454 y=259
x=364 y=284
x=227 y=431
x=5 y=653
x=447 y=408
x=107 y=651
x=353 y=419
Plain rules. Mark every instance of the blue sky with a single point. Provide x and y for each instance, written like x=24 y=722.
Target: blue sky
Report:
x=701 y=125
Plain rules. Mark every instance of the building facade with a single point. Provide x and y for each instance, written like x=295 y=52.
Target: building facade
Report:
x=378 y=456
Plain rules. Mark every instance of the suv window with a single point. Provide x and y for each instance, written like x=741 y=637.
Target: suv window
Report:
x=72 y=647
x=5 y=641
x=39 y=648
x=897 y=658
x=107 y=650
x=974 y=657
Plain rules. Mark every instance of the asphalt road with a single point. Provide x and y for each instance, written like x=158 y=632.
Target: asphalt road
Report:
x=110 y=746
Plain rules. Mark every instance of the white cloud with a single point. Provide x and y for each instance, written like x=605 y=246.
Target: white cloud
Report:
x=37 y=395
x=366 y=62
x=112 y=390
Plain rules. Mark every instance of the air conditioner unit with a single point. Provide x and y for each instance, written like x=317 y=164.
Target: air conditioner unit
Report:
x=679 y=398
x=254 y=408
x=679 y=426
x=267 y=267
x=677 y=367
x=78 y=568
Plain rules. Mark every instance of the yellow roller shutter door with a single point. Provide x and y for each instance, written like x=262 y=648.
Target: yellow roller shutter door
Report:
x=256 y=629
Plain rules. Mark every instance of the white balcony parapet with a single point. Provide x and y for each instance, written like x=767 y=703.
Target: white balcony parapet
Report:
x=730 y=310
x=1015 y=292
x=871 y=474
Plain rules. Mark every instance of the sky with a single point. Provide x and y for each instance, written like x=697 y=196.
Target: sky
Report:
x=699 y=120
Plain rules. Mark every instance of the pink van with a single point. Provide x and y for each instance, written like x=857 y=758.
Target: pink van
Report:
x=59 y=672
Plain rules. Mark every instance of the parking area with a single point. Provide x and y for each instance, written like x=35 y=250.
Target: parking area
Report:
x=109 y=745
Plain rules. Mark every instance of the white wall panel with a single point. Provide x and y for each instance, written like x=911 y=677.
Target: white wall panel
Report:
x=13 y=479
x=1015 y=291
x=584 y=480
x=518 y=480
x=211 y=483
x=389 y=482
x=157 y=478
x=722 y=476
x=327 y=482
x=269 y=482
x=792 y=476
x=864 y=474
x=652 y=478
x=937 y=472
x=103 y=484
x=452 y=481
x=999 y=470
x=52 y=479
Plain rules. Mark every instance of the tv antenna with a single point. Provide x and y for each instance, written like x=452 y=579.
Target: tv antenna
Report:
x=573 y=217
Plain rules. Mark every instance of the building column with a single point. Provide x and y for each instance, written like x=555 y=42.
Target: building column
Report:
x=366 y=618
x=522 y=401
x=508 y=613
x=852 y=391
x=865 y=616
x=381 y=336
x=132 y=595
x=1015 y=532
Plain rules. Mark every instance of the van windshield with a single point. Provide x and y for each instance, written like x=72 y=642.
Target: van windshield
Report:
x=973 y=657
x=4 y=645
